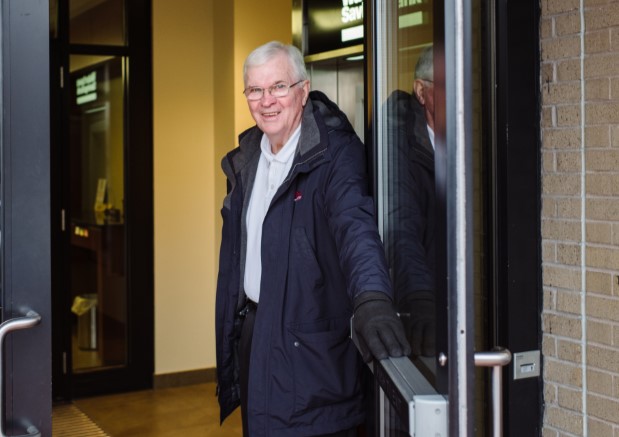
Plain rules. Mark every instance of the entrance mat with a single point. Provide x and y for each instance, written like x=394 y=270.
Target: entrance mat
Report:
x=69 y=421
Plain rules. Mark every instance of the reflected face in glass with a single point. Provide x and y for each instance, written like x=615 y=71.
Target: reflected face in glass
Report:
x=424 y=91
x=277 y=117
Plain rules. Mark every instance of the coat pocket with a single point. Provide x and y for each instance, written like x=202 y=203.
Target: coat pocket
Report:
x=309 y=278
x=326 y=365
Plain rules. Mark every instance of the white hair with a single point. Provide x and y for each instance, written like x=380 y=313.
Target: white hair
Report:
x=270 y=50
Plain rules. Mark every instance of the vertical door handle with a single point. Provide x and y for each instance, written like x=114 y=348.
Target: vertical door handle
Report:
x=497 y=358
x=28 y=321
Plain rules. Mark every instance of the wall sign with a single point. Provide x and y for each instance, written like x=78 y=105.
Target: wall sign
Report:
x=333 y=24
x=86 y=88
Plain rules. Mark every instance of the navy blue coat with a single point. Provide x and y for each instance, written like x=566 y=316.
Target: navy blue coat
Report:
x=320 y=249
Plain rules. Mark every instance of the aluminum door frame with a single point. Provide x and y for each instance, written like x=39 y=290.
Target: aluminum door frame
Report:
x=458 y=148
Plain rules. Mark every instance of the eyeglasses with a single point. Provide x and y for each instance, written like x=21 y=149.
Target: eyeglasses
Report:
x=280 y=89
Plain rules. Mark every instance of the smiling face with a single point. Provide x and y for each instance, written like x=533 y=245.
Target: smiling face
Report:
x=277 y=117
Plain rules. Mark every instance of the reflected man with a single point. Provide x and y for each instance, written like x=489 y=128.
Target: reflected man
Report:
x=410 y=234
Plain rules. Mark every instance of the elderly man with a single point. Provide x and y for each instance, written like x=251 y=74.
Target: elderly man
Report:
x=300 y=254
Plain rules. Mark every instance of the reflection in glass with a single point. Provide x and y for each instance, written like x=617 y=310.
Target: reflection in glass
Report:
x=406 y=151
x=97 y=22
x=98 y=270
x=411 y=205
x=414 y=234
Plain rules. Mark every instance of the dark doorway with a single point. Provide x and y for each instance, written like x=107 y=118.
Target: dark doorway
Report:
x=102 y=196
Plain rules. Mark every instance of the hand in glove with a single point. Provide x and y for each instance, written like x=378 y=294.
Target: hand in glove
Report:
x=379 y=330
x=417 y=312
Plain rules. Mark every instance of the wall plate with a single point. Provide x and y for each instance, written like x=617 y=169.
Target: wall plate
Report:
x=527 y=364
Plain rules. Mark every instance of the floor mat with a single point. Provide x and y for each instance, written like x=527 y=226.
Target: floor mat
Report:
x=69 y=421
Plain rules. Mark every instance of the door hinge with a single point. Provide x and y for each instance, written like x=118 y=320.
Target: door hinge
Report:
x=61 y=76
x=63 y=226
x=64 y=363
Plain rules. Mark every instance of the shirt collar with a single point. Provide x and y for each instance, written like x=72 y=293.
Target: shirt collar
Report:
x=431 y=135
x=286 y=152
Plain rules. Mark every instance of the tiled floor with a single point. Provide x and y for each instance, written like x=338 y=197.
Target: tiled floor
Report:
x=172 y=412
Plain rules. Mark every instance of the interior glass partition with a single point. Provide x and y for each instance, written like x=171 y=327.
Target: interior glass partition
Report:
x=99 y=22
x=98 y=261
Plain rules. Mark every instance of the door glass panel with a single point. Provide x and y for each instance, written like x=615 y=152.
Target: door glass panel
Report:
x=405 y=144
x=98 y=268
x=97 y=22
x=412 y=217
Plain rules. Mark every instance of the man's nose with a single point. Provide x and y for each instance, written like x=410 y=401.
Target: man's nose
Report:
x=267 y=98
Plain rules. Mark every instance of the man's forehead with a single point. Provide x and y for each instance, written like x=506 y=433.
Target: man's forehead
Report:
x=277 y=66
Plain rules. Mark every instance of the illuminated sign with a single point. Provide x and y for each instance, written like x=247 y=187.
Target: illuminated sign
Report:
x=86 y=88
x=333 y=24
x=352 y=10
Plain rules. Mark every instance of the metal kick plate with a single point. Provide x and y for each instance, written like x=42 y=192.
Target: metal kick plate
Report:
x=527 y=364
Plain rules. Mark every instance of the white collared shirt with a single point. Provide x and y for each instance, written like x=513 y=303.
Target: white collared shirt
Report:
x=271 y=172
x=431 y=135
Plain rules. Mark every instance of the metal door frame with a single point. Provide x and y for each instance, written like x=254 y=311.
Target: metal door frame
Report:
x=456 y=148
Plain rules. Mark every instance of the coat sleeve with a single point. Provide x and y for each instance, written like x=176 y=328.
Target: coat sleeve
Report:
x=350 y=214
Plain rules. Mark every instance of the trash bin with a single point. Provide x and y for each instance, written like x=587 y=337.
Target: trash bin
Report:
x=85 y=307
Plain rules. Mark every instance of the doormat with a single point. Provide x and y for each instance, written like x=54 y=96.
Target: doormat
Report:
x=69 y=421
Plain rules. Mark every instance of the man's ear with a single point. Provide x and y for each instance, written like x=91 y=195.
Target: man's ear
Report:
x=419 y=90
x=306 y=91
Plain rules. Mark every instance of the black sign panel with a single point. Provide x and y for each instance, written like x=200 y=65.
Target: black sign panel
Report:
x=333 y=24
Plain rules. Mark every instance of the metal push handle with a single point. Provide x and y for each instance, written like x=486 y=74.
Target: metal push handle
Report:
x=31 y=319
x=496 y=359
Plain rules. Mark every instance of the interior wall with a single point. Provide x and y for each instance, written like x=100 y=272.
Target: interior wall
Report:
x=199 y=109
x=183 y=184
x=254 y=26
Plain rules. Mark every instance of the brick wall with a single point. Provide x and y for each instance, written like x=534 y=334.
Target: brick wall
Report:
x=580 y=216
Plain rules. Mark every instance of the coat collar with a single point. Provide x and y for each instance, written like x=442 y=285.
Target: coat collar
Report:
x=320 y=117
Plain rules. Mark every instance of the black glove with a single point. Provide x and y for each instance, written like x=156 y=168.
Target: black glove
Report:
x=417 y=312
x=379 y=330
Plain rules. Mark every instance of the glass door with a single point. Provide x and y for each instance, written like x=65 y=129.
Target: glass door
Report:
x=429 y=164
